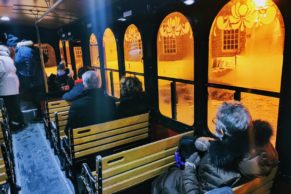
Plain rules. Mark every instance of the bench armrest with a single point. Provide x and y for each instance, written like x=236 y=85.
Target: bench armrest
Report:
x=88 y=179
x=66 y=156
x=55 y=138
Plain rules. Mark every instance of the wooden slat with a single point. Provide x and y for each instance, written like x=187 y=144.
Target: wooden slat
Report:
x=110 y=133
x=62 y=133
x=110 y=145
x=136 y=171
x=109 y=139
x=92 y=129
x=137 y=163
x=62 y=128
x=58 y=103
x=3 y=177
x=1 y=161
x=60 y=109
x=142 y=151
x=2 y=168
x=134 y=180
x=63 y=123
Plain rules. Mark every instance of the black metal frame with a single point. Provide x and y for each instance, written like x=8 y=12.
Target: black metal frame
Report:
x=55 y=135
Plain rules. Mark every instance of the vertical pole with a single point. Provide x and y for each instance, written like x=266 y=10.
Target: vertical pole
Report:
x=237 y=95
x=111 y=83
x=99 y=174
x=41 y=58
x=174 y=100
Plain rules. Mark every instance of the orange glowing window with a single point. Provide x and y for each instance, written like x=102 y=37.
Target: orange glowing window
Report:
x=61 y=50
x=94 y=56
x=175 y=46
x=78 y=57
x=111 y=64
x=252 y=32
x=230 y=40
x=68 y=54
x=49 y=53
x=133 y=54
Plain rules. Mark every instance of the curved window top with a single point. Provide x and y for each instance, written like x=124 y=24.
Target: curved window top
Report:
x=133 y=49
x=176 y=45
x=109 y=44
x=94 y=52
x=93 y=40
x=246 y=45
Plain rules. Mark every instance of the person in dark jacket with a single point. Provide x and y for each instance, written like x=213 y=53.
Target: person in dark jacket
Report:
x=78 y=88
x=132 y=98
x=92 y=107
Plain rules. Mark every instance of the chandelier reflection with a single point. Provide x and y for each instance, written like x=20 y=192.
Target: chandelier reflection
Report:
x=247 y=14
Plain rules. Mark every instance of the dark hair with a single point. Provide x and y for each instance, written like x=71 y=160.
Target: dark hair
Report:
x=61 y=66
x=130 y=86
x=186 y=147
x=3 y=38
x=263 y=132
x=82 y=70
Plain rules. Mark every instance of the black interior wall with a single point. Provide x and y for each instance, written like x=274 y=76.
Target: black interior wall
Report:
x=28 y=32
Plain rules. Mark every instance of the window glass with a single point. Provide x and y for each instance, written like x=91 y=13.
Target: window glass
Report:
x=175 y=46
x=94 y=56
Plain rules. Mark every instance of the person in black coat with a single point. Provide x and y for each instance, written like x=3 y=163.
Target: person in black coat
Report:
x=92 y=107
x=133 y=100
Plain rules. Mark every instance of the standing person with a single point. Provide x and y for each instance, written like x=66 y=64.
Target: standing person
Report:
x=30 y=73
x=9 y=87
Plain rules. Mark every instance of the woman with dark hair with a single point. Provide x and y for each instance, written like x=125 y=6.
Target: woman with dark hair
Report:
x=132 y=99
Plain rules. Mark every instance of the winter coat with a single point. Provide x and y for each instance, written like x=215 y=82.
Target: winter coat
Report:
x=28 y=65
x=9 y=83
x=132 y=105
x=92 y=107
x=74 y=93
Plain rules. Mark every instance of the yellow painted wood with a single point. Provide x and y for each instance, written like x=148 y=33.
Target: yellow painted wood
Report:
x=2 y=168
x=136 y=171
x=109 y=139
x=3 y=177
x=110 y=145
x=102 y=127
x=58 y=103
x=109 y=133
x=142 y=151
x=134 y=180
x=59 y=109
x=138 y=163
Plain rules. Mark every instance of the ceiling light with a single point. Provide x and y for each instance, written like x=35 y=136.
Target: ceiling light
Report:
x=121 y=19
x=5 y=18
x=188 y=2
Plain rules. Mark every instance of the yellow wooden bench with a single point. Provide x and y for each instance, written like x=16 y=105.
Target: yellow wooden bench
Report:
x=87 y=141
x=123 y=170
x=128 y=168
x=53 y=107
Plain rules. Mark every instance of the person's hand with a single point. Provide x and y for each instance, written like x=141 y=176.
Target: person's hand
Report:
x=66 y=88
x=192 y=161
x=203 y=143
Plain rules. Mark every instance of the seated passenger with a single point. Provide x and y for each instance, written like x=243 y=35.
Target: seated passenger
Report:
x=132 y=99
x=92 y=107
x=219 y=166
x=78 y=88
x=263 y=157
x=172 y=180
x=63 y=80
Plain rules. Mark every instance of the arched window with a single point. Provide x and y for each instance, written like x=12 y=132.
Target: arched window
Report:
x=94 y=55
x=245 y=58
x=111 y=63
x=49 y=53
x=78 y=57
x=61 y=50
x=133 y=54
x=175 y=46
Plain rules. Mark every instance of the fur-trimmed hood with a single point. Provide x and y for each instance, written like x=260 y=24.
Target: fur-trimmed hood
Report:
x=25 y=43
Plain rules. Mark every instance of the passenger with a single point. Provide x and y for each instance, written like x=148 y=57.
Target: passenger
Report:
x=132 y=100
x=63 y=78
x=78 y=88
x=263 y=158
x=9 y=86
x=92 y=107
x=30 y=73
x=172 y=181
x=220 y=165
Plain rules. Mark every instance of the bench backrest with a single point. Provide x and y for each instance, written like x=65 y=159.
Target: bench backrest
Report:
x=61 y=119
x=57 y=106
x=95 y=138
x=125 y=169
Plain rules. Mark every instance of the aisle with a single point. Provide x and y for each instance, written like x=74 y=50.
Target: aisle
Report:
x=37 y=168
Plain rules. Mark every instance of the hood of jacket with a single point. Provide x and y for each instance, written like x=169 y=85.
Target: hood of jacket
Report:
x=25 y=43
x=4 y=51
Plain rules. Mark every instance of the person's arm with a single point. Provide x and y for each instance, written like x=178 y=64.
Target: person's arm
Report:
x=73 y=93
x=190 y=181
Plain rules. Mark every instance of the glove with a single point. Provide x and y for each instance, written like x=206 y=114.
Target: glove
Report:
x=203 y=143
